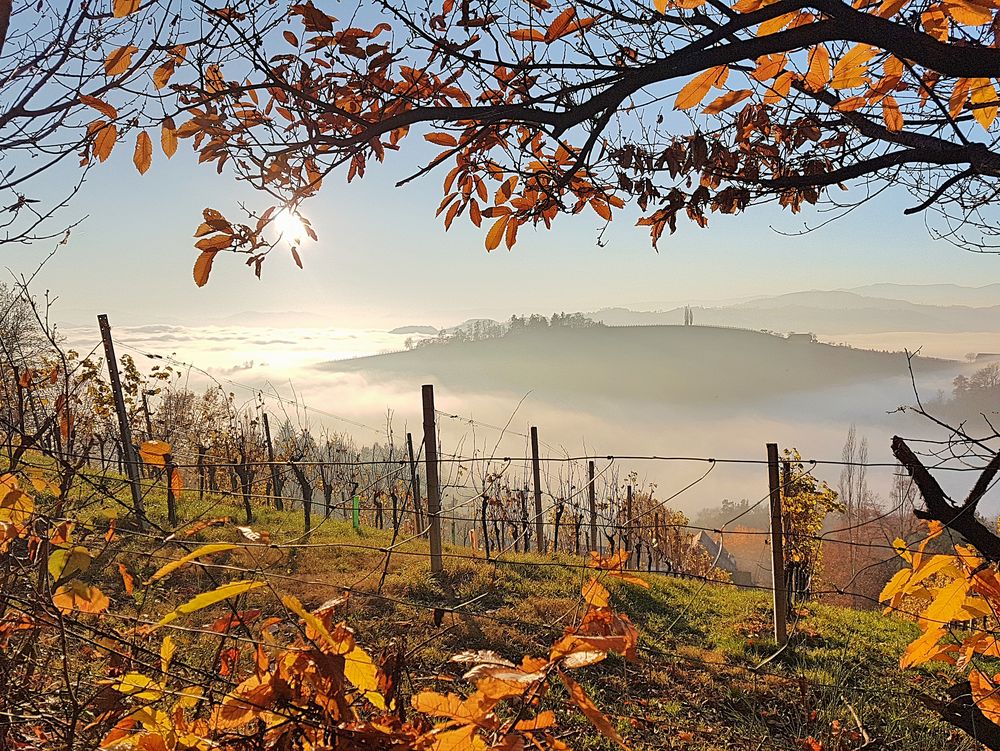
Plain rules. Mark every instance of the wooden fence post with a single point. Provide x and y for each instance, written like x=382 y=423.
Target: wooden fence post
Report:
x=201 y=471
x=536 y=475
x=592 y=497
x=171 y=499
x=777 y=547
x=431 y=471
x=276 y=488
x=627 y=531
x=129 y=459
x=307 y=494
x=418 y=514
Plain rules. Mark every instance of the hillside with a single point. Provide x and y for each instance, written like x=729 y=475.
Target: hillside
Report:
x=663 y=363
x=706 y=678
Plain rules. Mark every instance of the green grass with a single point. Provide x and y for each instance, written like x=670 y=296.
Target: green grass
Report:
x=710 y=676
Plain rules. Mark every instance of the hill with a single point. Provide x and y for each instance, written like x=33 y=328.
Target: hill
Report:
x=700 y=364
x=707 y=678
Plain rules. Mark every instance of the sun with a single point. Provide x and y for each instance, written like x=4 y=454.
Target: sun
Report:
x=290 y=226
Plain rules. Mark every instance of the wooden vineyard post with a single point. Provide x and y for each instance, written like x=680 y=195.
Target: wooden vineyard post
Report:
x=657 y=541
x=431 y=471
x=171 y=498
x=129 y=459
x=536 y=476
x=777 y=547
x=627 y=531
x=276 y=488
x=592 y=498
x=307 y=494
x=201 y=471
x=418 y=514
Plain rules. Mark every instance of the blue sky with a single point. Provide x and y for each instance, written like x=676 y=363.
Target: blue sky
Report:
x=383 y=258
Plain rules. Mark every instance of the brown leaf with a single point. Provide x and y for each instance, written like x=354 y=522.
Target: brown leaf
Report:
x=122 y=8
x=105 y=141
x=143 y=156
x=168 y=137
x=119 y=61
x=101 y=106
x=203 y=267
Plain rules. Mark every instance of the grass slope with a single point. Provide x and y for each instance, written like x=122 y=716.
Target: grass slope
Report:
x=696 y=686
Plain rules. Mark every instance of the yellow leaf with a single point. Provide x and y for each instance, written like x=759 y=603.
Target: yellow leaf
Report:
x=363 y=675
x=211 y=549
x=969 y=13
x=143 y=156
x=852 y=69
x=16 y=506
x=698 y=87
x=595 y=594
x=923 y=648
x=119 y=60
x=319 y=630
x=167 y=649
x=139 y=686
x=208 y=598
x=67 y=562
x=984 y=102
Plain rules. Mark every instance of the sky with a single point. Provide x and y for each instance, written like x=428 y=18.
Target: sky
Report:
x=383 y=259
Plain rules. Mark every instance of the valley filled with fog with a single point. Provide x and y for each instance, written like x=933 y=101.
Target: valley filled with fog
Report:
x=643 y=385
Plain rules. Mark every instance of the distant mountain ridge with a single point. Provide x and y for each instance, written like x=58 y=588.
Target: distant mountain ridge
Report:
x=835 y=312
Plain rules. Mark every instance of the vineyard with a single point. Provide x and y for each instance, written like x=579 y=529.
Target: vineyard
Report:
x=182 y=571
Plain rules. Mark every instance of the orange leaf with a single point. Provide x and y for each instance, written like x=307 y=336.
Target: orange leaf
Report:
x=119 y=61
x=527 y=35
x=725 y=101
x=168 y=137
x=441 y=139
x=818 y=74
x=75 y=595
x=103 y=107
x=215 y=242
x=105 y=141
x=852 y=69
x=698 y=87
x=579 y=697
x=143 y=156
x=203 y=267
x=769 y=66
x=891 y=114
x=561 y=23
x=122 y=8
x=495 y=235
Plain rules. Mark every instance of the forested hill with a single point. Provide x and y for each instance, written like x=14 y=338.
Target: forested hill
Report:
x=667 y=363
